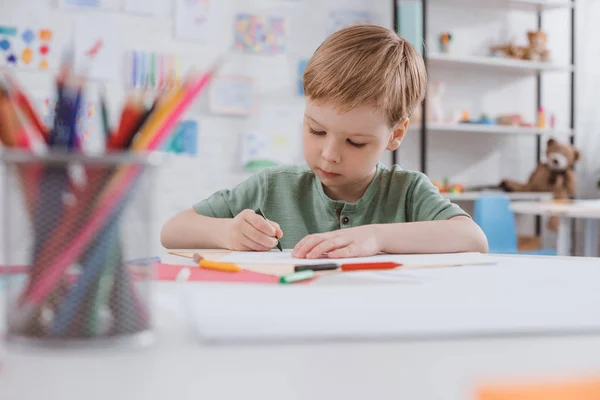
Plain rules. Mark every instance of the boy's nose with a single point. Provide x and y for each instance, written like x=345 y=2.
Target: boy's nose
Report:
x=330 y=153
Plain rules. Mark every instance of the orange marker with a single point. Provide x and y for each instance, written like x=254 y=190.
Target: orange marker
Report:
x=370 y=266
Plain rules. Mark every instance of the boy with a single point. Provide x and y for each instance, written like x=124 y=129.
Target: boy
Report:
x=361 y=85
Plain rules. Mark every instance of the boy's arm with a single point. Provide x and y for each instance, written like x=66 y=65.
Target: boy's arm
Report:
x=190 y=230
x=457 y=234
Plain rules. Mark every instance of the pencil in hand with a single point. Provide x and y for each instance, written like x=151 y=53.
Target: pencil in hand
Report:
x=262 y=215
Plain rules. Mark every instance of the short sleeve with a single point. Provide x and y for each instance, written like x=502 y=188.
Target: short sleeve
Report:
x=228 y=203
x=425 y=202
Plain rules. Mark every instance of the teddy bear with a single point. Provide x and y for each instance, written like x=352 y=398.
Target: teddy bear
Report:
x=534 y=51
x=556 y=175
x=537 y=51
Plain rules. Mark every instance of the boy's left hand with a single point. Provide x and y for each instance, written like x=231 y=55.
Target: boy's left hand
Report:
x=360 y=241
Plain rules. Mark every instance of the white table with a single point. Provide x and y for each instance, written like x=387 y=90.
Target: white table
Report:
x=177 y=367
x=589 y=210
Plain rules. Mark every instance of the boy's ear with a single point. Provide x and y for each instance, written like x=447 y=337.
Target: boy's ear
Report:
x=398 y=134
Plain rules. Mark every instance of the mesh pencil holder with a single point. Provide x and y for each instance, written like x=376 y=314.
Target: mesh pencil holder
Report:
x=77 y=229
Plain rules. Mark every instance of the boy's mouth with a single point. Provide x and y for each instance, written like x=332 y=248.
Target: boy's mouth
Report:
x=327 y=174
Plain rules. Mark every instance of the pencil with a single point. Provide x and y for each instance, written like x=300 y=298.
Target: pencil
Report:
x=219 y=266
x=259 y=212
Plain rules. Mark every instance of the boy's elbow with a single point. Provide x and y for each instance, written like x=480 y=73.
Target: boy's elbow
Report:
x=479 y=240
x=166 y=235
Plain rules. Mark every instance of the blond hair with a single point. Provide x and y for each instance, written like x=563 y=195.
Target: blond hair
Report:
x=367 y=65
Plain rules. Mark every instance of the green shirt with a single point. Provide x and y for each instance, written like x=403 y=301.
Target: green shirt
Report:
x=293 y=197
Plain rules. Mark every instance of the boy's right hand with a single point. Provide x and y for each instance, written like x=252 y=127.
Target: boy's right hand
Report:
x=249 y=231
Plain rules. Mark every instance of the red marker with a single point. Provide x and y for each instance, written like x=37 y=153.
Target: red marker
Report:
x=370 y=266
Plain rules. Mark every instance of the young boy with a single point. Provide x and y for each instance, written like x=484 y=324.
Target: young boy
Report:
x=361 y=85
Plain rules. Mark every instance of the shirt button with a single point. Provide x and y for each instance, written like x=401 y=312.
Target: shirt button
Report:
x=345 y=220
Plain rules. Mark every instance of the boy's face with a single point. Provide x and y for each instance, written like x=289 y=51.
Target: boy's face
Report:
x=343 y=149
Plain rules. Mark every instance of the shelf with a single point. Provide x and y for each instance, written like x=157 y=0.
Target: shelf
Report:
x=493 y=129
x=471 y=196
x=496 y=63
x=521 y=5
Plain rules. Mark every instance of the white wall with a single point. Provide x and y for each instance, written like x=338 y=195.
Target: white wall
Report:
x=184 y=180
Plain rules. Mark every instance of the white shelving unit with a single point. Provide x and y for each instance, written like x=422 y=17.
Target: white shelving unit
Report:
x=493 y=129
x=494 y=63
x=471 y=196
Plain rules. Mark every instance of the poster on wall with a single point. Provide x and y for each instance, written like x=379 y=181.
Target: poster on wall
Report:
x=260 y=34
x=185 y=139
x=275 y=140
x=156 y=8
x=232 y=95
x=198 y=20
x=26 y=47
x=78 y=4
x=338 y=19
x=151 y=70
x=98 y=50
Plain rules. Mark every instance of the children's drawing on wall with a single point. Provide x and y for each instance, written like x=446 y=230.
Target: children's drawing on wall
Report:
x=301 y=67
x=232 y=95
x=97 y=48
x=339 y=19
x=76 y=4
x=276 y=139
x=198 y=20
x=25 y=47
x=149 y=70
x=185 y=139
x=262 y=34
x=159 y=8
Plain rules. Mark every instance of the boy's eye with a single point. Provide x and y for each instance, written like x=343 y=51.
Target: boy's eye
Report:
x=355 y=144
x=319 y=133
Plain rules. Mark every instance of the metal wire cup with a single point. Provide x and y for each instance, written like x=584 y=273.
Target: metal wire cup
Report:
x=78 y=228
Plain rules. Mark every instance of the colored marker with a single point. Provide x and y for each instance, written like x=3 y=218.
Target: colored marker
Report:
x=316 y=267
x=370 y=266
x=262 y=215
x=297 y=276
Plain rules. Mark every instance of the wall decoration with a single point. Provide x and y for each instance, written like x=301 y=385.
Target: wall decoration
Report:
x=185 y=139
x=339 y=19
x=233 y=95
x=149 y=70
x=25 y=47
x=98 y=48
x=77 y=4
x=198 y=20
x=301 y=67
x=260 y=34
x=158 y=8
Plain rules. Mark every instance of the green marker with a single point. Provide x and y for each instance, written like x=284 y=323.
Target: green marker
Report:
x=297 y=276
x=262 y=215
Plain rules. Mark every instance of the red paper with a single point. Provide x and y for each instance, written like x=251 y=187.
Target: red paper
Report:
x=168 y=272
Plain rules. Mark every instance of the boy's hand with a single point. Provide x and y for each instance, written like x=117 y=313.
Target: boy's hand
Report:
x=360 y=241
x=249 y=231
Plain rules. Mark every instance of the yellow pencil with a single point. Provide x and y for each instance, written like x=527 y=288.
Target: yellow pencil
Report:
x=219 y=266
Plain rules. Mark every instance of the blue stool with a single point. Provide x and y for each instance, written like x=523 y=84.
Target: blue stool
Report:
x=493 y=215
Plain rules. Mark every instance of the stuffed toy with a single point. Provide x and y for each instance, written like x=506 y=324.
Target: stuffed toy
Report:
x=556 y=175
x=536 y=49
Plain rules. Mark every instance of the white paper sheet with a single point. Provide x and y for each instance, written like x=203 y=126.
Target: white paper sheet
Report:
x=198 y=20
x=98 y=50
x=285 y=257
x=148 y=7
x=516 y=296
